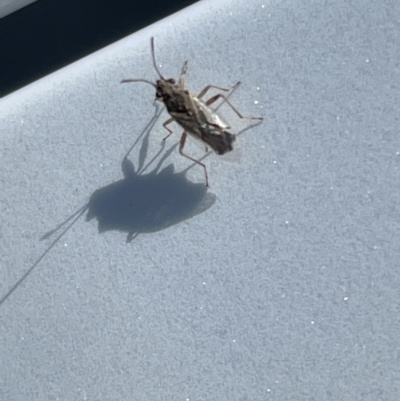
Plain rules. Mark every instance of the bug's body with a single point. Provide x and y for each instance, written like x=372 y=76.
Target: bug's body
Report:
x=192 y=113
x=200 y=122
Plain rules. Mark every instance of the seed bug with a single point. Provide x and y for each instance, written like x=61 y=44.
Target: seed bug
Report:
x=192 y=113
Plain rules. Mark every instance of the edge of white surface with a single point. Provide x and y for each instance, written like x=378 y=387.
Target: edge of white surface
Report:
x=174 y=27
x=10 y=6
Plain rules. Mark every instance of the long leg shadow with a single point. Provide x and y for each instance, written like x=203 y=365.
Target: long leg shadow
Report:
x=139 y=203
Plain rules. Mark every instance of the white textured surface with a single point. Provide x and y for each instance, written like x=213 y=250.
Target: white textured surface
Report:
x=286 y=288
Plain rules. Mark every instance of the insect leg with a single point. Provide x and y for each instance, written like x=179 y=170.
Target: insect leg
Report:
x=219 y=95
x=181 y=146
x=208 y=87
x=169 y=121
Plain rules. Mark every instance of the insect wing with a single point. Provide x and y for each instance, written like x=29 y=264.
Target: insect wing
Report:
x=210 y=116
x=214 y=131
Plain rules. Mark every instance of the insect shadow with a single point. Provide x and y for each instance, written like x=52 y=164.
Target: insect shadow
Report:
x=139 y=203
x=145 y=203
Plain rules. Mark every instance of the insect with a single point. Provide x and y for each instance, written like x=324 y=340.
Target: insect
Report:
x=192 y=113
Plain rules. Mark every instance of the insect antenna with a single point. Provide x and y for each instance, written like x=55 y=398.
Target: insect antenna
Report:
x=154 y=59
x=124 y=81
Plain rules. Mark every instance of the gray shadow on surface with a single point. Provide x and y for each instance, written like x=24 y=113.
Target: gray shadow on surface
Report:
x=146 y=203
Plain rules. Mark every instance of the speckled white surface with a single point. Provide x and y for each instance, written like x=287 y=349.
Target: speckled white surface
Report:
x=285 y=283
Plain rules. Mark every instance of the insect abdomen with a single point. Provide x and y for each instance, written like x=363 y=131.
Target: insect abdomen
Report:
x=221 y=142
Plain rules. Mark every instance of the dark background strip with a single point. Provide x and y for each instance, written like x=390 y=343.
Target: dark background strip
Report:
x=49 y=34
